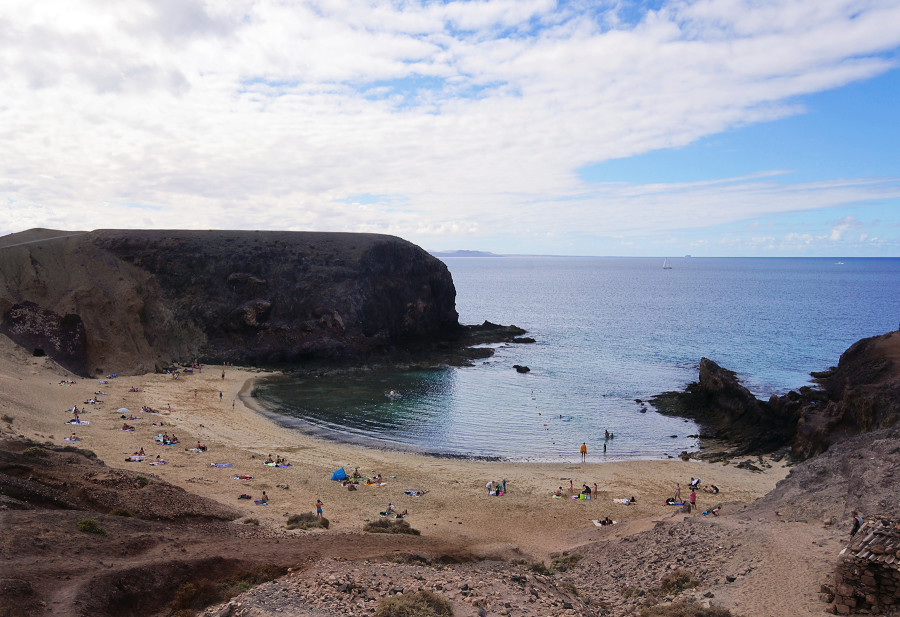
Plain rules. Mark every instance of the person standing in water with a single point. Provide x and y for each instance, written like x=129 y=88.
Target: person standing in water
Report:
x=583 y=452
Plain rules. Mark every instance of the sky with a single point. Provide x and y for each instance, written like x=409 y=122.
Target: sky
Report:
x=653 y=127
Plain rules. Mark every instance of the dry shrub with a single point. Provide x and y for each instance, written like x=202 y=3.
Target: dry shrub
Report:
x=307 y=520
x=420 y=604
x=35 y=451
x=684 y=609
x=251 y=521
x=384 y=525
x=121 y=512
x=675 y=582
x=89 y=525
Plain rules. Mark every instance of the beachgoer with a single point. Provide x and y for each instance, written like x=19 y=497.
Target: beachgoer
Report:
x=606 y=434
x=319 y=505
x=141 y=452
x=586 y=490
x=693 y=499
x=220 y=396
x=857 y=523
x=583 y=452
x=695 y=483
x=489 y=486
x=558 y=492
x=595 y=488
x=677 y=491
x=223 y=375
x=390 y=507
x=571 y=485
x=264 y=498
x=504 y=486
x=632 y=500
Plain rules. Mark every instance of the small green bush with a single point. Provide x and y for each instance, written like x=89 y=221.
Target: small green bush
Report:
x=89 y=525
x=563 y=563
x=121 y=512
x=307 y=520
x=143 y=481
x=384 y=525
x=7 y=418
x=35 y=451
x=684 y=609
x=251 y=521
x=420 y=604
x=538 y=567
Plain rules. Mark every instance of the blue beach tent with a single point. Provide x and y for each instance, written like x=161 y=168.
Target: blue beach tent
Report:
x=339 y=475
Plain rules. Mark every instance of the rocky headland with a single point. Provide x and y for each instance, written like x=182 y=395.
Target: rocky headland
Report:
x=861 y=394
x=138 y=300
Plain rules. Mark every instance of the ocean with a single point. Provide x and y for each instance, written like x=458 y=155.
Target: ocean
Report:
x=610 y=333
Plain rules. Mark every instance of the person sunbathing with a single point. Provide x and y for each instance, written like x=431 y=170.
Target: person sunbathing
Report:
x=127 y=427
x=558 y=492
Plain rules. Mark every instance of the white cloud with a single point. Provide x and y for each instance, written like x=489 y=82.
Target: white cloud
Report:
x=475 y=115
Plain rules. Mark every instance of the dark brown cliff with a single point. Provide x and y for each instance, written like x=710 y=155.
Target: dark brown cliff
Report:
x=860 y=395
x=135 y=300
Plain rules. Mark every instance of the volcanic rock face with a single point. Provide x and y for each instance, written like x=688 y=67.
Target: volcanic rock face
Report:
x=862 y=394
x=146 y=298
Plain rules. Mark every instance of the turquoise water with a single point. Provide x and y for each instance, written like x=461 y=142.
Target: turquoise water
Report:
x=609 y=331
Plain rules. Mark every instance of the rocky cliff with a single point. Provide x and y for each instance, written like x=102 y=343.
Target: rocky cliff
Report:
x=860 y=395
x=134 y=300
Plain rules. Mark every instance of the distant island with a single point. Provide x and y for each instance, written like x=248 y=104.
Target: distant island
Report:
x=463 y=254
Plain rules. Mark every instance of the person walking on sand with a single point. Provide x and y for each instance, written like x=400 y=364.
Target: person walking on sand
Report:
x=677 y=491
x=693 y=499
x=583 y=451
x=319 y=505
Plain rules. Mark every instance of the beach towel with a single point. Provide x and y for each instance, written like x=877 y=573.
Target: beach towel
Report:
x=414 y=493
x=221 y=465
x=195 y=450
x=674 y=503
x=627 y=502
x=70 y=440
x=128 y=429
x=260 y=502
x=79 y=422
x=339 y=474
x=243 y=476
x=555 y=496
x=158 y=463
x=599 y=524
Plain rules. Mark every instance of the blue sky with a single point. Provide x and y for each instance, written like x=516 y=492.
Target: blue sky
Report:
x=707 y=127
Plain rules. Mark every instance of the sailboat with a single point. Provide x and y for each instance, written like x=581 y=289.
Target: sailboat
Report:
x=666 y=265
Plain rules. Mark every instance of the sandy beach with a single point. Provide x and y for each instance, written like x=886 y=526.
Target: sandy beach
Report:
x=526 y=520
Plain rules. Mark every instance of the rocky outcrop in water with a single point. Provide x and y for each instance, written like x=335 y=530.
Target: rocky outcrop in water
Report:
x=860 y=395
x=729 y=411
x=134 y=300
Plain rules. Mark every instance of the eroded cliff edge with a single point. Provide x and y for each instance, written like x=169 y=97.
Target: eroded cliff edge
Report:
x=861 y=394
x=133 y=301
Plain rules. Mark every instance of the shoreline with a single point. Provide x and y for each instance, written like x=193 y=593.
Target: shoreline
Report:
x=527 y=520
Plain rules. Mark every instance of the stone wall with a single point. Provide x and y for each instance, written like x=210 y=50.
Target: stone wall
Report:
x=867 y=577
